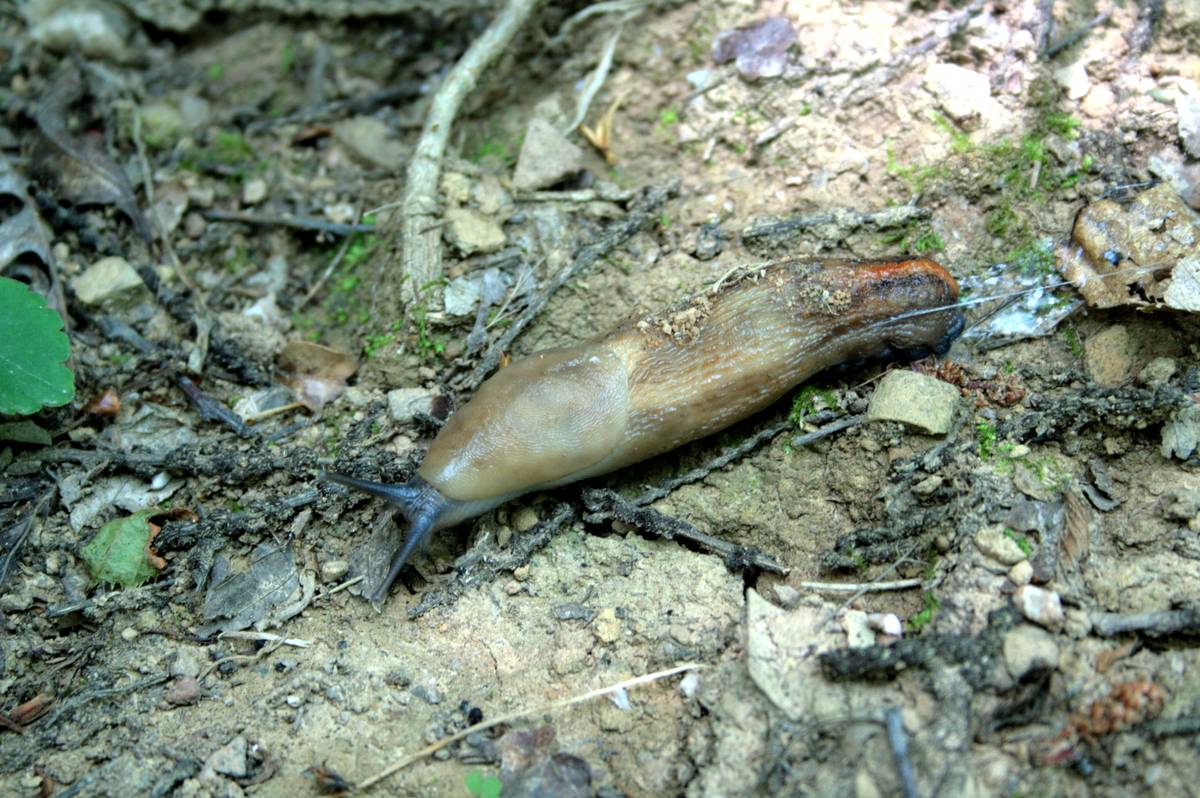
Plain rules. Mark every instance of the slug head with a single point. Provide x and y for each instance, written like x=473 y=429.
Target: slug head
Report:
x=907 y=307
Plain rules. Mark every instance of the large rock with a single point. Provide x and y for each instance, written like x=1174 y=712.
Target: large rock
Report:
x=546 y=158
x=915 y=399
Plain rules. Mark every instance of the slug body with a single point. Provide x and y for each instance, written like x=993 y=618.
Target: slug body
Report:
x=662 y=380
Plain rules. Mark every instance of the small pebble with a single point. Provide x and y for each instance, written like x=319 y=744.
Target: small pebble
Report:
x=129 y=634
x=1021 y=573
x=1043 y=607
x=334 y=570
x=184 y=690
x=254 y=192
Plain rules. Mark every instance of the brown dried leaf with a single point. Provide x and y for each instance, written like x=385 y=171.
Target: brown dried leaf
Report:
x=79 y=167
x=1111 y=656
x=107 y=403
x=31 y=710
x=316 y=374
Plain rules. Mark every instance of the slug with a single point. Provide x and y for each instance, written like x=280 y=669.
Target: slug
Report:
x=662 y=380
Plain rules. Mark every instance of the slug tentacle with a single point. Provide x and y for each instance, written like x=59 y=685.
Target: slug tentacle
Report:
x=425 y=508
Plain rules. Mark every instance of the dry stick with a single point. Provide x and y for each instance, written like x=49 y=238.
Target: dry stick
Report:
x=594 y=82
x=404 y=762
x=296 y=222
x=421 y=257
x=644 y=212
x=329 y=270
x=860 y=587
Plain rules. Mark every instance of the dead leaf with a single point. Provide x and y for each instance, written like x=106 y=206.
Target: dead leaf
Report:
x=316 y=374
x=107 y=403
x=24 y=232
x=1111 y=656
x=77 y=166
x=31 y=710
x=244 y=598
x=1076 y=537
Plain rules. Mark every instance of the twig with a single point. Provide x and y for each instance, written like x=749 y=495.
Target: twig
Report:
x=209 y=408
x=15 y=536
x=860 y=587
x=339 y=588
x=88 y=696
x=298 y=222
x=329 y=270
x=1171 y=727
x=726 y=457
x=1054 y=48
x=404 y=762
x=883 y=74
x=344 y=107
x=827 y=430
x=606 y=7
x=594 y=82
x=578 y=195
x=643 y=213
x=265 y=637
x=606 y=504
x=421 y=258
x=1151 y=624
x=898 y=741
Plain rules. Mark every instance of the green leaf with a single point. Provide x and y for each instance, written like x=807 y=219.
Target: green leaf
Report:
x=120 y=552
x=33 y=349
x=482 y=786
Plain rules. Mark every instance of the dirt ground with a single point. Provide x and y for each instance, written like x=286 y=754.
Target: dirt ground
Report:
x=1028 y=539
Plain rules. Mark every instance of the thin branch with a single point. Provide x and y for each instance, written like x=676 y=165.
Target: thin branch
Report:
x=404 y=762
x=421 y=256
x=297 y=222
x=859 y=587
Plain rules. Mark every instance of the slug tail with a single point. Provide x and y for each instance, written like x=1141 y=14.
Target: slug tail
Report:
x=422 y=505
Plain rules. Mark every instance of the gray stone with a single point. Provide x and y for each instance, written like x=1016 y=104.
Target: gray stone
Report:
x=1027 y=647
x=858 y=631
x=333 y=570
x=472 y=233
x=1181 y=435
x=1021 y=573
x=1043 y=607
x=254 y=191
x=1074 y=80
x=110 y=283
x=546 y=158
x=230 y=759
x=162 y=124
x=369 y=140
x=94 y=28
x=1157 y=372
x=405 y=403
x=187 y=662
x=1188 y=107
x=998 y=546
x=461 y=296
x=961 y=92
x=915 y=399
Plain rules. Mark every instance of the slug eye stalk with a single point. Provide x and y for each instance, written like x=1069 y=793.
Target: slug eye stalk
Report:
x=421 y=504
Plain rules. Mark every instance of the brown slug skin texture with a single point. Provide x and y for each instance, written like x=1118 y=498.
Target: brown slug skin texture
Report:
x=662 y=380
